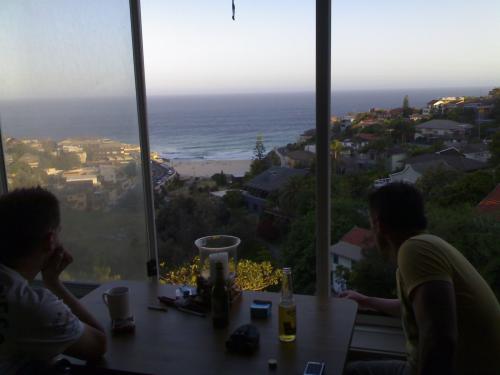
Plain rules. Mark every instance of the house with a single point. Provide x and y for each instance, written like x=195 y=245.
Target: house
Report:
x=416 y=166
x=108 y=172
x=417 y=116
x=474 y=151
x=53 y=171
x=77 y=150
x=310 y=148
x=441 y=129
x=32 y=160
x=8 y=159
x=81 y=175
x=367 y=137
x=346 y=122
x=307 y=135
x=440 y=106
x=491 y=204
x=396 y=157
x=348 y=251
x=299 y=159
x=482 y=108
x=269 y=181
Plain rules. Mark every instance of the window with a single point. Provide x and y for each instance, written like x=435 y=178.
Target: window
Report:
x=231 y=115
x=69 y=123
x=399 y=105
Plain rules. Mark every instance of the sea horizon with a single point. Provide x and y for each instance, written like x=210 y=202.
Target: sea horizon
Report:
x=201 y=127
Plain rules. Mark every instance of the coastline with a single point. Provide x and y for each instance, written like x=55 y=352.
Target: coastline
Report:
x=207 y=168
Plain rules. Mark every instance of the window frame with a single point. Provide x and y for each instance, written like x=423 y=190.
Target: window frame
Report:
x=140 y=90
x=3 y=171
x=323 y=162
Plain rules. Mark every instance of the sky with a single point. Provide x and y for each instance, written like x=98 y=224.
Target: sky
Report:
x=58 y=48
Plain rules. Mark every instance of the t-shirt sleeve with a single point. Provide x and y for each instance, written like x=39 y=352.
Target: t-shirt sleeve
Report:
x=51 y=329
x=420 y=261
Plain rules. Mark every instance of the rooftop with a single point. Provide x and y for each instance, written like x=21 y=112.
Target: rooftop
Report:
x=274 y=178
x=301 y=155
x=422 y=163
x=491 y=204
x=359 y=237
x=443 y=125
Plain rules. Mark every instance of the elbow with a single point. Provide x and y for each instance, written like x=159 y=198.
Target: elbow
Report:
x=100 y=347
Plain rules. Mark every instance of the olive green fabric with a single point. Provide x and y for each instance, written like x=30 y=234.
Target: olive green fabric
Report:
x=425 y=258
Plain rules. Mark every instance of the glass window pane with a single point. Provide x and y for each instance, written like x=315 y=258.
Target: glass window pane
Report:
x=228 y=102
x=407 y=109
x=69 y=122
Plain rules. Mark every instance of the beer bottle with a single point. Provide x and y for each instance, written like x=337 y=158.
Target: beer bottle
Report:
x=220 y=299
x=287 y=310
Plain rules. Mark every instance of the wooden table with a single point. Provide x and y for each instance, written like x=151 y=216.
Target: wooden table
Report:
x=177 y=343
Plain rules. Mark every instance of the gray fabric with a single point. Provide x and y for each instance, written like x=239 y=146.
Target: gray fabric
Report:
x=389 y=367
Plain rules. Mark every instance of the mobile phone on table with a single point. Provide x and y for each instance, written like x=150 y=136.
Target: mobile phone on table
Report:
x=314 y=368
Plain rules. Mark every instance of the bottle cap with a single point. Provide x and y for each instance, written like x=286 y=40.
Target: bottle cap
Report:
x=272 y=363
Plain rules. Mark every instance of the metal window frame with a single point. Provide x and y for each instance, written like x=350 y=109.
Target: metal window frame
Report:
x=323 y=162
x=140 y=88
x=3 y=171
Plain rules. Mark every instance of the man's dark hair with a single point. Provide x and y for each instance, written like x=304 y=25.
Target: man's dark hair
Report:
x=399 y=206
x=26 y=217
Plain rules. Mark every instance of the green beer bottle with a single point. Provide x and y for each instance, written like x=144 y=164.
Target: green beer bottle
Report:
x=287 y=310
x=220 y=299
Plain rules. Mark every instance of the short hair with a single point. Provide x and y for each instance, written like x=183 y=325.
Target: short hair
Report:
x=26 y=216
x=399 y=206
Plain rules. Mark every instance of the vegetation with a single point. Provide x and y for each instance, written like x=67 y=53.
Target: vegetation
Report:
x=251 y=275
x=406 y=107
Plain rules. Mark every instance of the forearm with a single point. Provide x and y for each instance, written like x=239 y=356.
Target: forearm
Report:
x=72 y=302
x=385 y=305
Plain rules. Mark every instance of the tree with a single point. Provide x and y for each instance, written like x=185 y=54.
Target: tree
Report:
x=259 y=150
x=495 y=94
x=220 y=179
x=373 y=275
x=402 y=130
x=259 y=162
x=299 y=253
x=336 y=149
x=406 y=107
x=476 y=237
x=495 y=149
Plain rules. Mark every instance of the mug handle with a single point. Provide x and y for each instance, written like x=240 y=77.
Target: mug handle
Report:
x=105 y=298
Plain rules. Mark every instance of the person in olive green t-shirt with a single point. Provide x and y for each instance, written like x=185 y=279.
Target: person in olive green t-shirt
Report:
x=450 y=315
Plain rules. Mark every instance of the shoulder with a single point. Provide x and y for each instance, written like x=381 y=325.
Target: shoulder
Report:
x=46 y=319
x=37 y=305
x=423 y=246
x=423 y=258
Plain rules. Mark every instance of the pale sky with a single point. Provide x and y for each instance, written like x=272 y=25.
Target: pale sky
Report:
x=82 y=48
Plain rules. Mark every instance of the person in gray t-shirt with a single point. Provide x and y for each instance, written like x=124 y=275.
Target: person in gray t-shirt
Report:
x=37 y=324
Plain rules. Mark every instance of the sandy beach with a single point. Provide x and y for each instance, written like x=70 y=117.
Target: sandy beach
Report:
x=207 y=168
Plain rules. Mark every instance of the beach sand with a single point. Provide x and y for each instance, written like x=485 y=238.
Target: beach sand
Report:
x=207 y=168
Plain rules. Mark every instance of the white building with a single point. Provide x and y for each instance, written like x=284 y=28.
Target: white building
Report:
x=108 y=172
x=348 y=251
x=443 y=129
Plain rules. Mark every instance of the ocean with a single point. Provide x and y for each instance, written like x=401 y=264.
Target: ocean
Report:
x=215 y=127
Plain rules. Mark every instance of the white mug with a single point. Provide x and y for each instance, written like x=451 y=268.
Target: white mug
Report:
x=117 y=301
